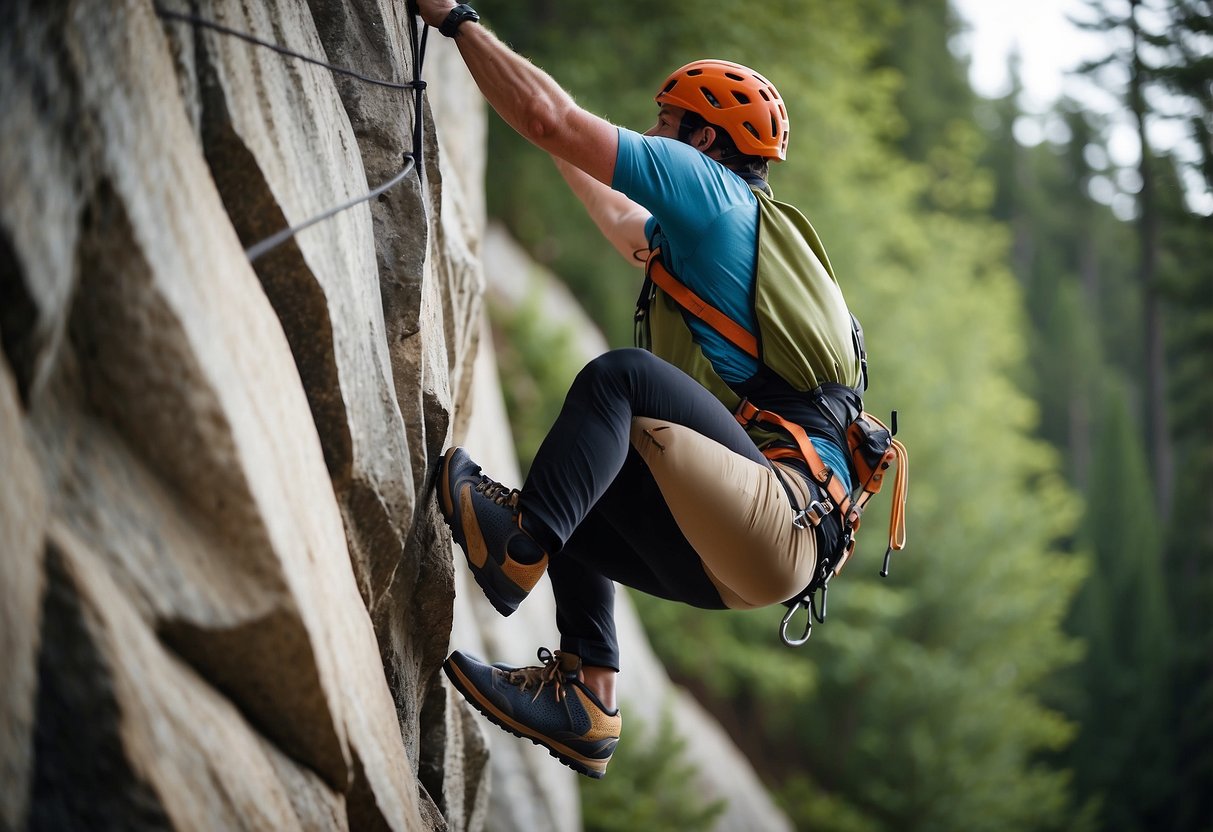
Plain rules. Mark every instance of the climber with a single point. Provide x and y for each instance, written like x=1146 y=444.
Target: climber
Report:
x=647 y=477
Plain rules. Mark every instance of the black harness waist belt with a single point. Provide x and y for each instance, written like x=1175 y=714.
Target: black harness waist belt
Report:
x=824 y=412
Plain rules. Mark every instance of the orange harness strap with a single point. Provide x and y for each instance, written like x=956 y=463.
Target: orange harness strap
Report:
x=852 y=512
x=748 y=413
x=700 y=308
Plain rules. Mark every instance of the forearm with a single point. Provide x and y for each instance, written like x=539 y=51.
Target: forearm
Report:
x=525 y=97
x=619 y=219
x=532 y=103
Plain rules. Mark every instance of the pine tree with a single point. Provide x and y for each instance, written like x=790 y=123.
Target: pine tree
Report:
x=1189 y=243
x=1142 y=75
x=1123 y=756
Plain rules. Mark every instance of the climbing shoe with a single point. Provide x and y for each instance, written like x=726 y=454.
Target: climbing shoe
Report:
x=484 y=520
x=548 y=705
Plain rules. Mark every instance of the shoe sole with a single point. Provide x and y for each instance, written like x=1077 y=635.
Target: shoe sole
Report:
x=479 y=573
x=582 y=765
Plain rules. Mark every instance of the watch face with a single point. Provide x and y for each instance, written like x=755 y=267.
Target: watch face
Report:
x=458 y=15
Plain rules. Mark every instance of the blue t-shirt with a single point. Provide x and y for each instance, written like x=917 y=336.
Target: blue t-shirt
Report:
x=705 y=220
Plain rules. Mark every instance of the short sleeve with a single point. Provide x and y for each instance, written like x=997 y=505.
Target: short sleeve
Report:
x=682 y=188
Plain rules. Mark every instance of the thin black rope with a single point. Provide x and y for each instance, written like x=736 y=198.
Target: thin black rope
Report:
x=274 y=240
x=202 y=22
x=411 y=158
x=418 y=84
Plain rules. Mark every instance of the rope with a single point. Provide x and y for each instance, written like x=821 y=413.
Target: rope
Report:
x=411 y=159
x=203 y=23
x=274 y=240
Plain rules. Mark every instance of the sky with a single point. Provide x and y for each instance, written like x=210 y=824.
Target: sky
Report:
x=1049 y=46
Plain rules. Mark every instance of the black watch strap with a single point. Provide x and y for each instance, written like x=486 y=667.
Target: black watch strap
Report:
x=458 y=16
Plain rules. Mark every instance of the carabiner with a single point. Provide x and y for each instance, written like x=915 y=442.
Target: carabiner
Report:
x=808 y=628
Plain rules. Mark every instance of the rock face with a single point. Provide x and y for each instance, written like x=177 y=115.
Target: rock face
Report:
x=224 y=604
x=225 y=590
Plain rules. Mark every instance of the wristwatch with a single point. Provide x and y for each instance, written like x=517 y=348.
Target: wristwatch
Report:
x=458 y=16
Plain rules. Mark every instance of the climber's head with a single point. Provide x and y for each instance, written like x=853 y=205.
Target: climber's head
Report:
x=726 y=108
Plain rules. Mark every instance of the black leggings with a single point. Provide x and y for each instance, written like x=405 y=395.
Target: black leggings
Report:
x=599 y=510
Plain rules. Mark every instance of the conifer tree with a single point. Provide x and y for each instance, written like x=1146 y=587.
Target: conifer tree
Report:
x=1142 y=76
x=1123 y=756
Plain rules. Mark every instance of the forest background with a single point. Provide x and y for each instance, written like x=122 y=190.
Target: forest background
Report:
x=1041 y=656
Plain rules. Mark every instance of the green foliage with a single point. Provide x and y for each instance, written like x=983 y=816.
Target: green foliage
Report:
x=1004 y=319
x=1189 y=241
x=537 y=364
x=1144 y=613
x=743 y=649
x=814 y=808
x=1122 y=611
x=651 y=787
x=893 y=700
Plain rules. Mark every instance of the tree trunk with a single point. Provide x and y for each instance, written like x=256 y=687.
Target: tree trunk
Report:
x=1158 y=439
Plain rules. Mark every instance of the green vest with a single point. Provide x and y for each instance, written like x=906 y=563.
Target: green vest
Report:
x=804 y=327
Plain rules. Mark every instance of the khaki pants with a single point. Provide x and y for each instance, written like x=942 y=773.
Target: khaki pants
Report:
x=733 y=511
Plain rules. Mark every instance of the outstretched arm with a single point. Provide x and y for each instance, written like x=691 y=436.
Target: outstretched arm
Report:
x=619 y=219
x=529 y=100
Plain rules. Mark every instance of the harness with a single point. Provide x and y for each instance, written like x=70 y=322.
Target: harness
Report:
x=830 y=410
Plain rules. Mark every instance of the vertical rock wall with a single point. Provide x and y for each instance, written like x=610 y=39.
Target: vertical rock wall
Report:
x=223 y=600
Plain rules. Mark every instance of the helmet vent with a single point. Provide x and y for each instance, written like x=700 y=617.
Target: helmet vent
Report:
x=694 y=72
x=750 y=129
x=764 y=95
x=670 y=86
x=741 y=97
x=774 y=127
x=734 y=76
x=707 y=93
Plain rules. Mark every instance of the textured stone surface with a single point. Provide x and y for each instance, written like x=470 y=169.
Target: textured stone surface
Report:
x=162 y=746
x=23 y=521
x=264 y=121
x=212 y=440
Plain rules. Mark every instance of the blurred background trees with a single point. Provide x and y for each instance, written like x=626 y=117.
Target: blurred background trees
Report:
x=1042 y=655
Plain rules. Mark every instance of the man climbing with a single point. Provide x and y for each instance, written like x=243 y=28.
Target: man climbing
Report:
x=648 y=476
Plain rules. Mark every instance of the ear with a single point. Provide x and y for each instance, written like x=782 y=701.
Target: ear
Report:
x=707 y=135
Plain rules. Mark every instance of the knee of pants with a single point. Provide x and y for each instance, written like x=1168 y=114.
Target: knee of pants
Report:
x=615 y=368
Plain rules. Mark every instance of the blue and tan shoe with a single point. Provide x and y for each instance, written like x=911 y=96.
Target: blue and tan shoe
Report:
x=548 y=705
x=484 y=520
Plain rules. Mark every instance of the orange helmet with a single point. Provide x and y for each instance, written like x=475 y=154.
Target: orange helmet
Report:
x=737 y=99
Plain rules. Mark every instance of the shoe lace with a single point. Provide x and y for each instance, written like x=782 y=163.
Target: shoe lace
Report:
x=528 y=678
x=499 y=494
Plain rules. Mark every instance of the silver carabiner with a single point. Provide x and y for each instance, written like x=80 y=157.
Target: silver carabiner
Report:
x=809 y=602
x=808 y=628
